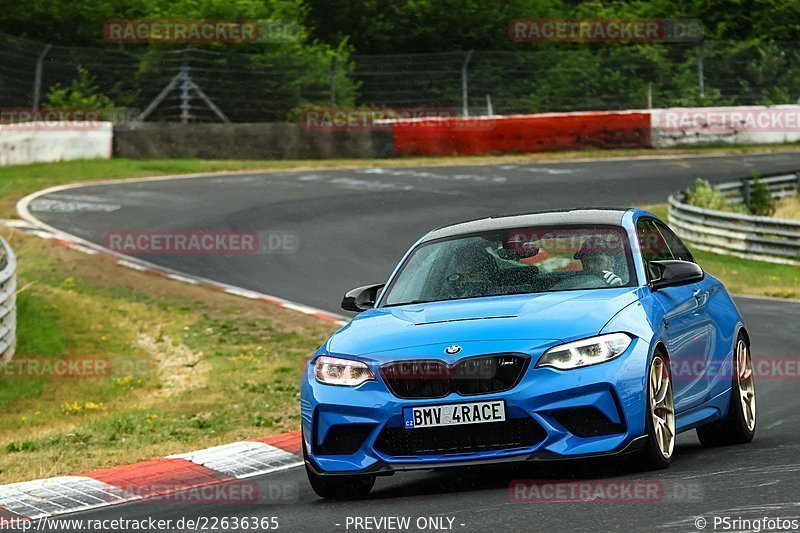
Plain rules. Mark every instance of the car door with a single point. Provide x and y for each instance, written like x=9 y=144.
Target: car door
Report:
x=714 y=310
x=685 y=321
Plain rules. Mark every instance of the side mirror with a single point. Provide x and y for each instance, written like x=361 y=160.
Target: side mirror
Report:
x=675 y=273
x=362 y=298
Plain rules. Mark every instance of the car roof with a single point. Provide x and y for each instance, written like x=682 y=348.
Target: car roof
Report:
x=585 y=215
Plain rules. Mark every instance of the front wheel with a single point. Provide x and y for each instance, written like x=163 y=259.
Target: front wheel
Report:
x=660 y=423
x=739 y=426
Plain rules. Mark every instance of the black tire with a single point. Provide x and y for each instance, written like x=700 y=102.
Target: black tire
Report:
x=339 y=487
x=650 y=456
x=733 y=429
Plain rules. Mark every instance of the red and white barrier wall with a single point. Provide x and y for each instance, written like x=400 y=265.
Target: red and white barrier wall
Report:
x=42 y=142
x=654 y=128
x=689 y=126
x=523 y=133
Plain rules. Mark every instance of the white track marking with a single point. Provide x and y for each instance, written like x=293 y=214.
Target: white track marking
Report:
x=243 y=459
x=58 y=495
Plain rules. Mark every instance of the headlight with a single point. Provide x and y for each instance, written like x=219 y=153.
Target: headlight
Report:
x=336 y=371
x=586 y=352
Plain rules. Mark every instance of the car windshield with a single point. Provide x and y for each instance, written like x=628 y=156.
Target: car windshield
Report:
x=514 y=261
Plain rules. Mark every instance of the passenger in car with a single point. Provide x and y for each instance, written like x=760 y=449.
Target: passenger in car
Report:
x=597 y=255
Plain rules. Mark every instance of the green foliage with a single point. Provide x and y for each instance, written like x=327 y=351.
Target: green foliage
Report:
x=82 y=93
x=751 y=54
x=761 y=202
x=704 y=195
x=405 y=26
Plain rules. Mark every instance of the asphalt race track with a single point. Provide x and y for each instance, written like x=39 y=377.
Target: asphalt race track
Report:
x=353 y=226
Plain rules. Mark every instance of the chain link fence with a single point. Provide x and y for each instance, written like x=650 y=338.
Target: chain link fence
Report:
x=193 y=84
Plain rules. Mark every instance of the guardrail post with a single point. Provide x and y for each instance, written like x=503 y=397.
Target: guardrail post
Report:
x=746 y=192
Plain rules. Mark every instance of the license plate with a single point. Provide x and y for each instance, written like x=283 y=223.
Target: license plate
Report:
x=454 y=414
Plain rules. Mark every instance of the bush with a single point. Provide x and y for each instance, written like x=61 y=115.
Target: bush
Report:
x=704 y=195
x=82 y=94
x=761 y=202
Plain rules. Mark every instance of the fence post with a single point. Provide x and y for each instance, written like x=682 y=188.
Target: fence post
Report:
x=746 y=192
x=333 y=81
x=465 y=85
x=700 y=73
x=37 y=83
x=185 y=86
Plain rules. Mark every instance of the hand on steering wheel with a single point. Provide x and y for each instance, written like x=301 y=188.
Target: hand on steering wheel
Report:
x=612 y=279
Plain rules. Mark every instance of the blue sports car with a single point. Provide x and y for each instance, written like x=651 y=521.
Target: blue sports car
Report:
x=556 y=335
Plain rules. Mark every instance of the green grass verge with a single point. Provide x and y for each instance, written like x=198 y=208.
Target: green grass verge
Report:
x=189 y=367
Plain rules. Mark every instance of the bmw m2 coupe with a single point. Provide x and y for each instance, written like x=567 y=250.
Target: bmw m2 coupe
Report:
x=590 y=332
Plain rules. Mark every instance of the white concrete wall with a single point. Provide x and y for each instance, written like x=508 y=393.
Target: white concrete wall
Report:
x=39 y=142
x=725 y=125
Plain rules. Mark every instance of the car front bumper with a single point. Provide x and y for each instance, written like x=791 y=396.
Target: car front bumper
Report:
x=586 y=412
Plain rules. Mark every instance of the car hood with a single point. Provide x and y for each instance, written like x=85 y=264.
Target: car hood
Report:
x=556 y=316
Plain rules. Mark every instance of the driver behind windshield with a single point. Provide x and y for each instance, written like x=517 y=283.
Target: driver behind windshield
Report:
x=474 y=272
x=601 y=258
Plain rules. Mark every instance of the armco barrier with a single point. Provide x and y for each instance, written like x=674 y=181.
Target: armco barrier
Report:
x=43 y=142
x=522 y=134
x=753 y=237
x=8 y=301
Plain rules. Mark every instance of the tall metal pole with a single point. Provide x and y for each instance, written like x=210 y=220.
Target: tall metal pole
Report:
x=700 y=75
x=37 y=82
x=465 y=85
x=333 y=81
x=186 y=85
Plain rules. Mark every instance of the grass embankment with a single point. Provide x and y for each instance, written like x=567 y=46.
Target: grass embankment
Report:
x=190 y=367
x=788 y=208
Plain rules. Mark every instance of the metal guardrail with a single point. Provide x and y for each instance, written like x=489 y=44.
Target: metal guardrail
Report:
x=767 y=239
x=8 y=301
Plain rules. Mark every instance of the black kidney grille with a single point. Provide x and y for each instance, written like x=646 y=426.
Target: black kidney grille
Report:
x=435 y=379
x=513 y=433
